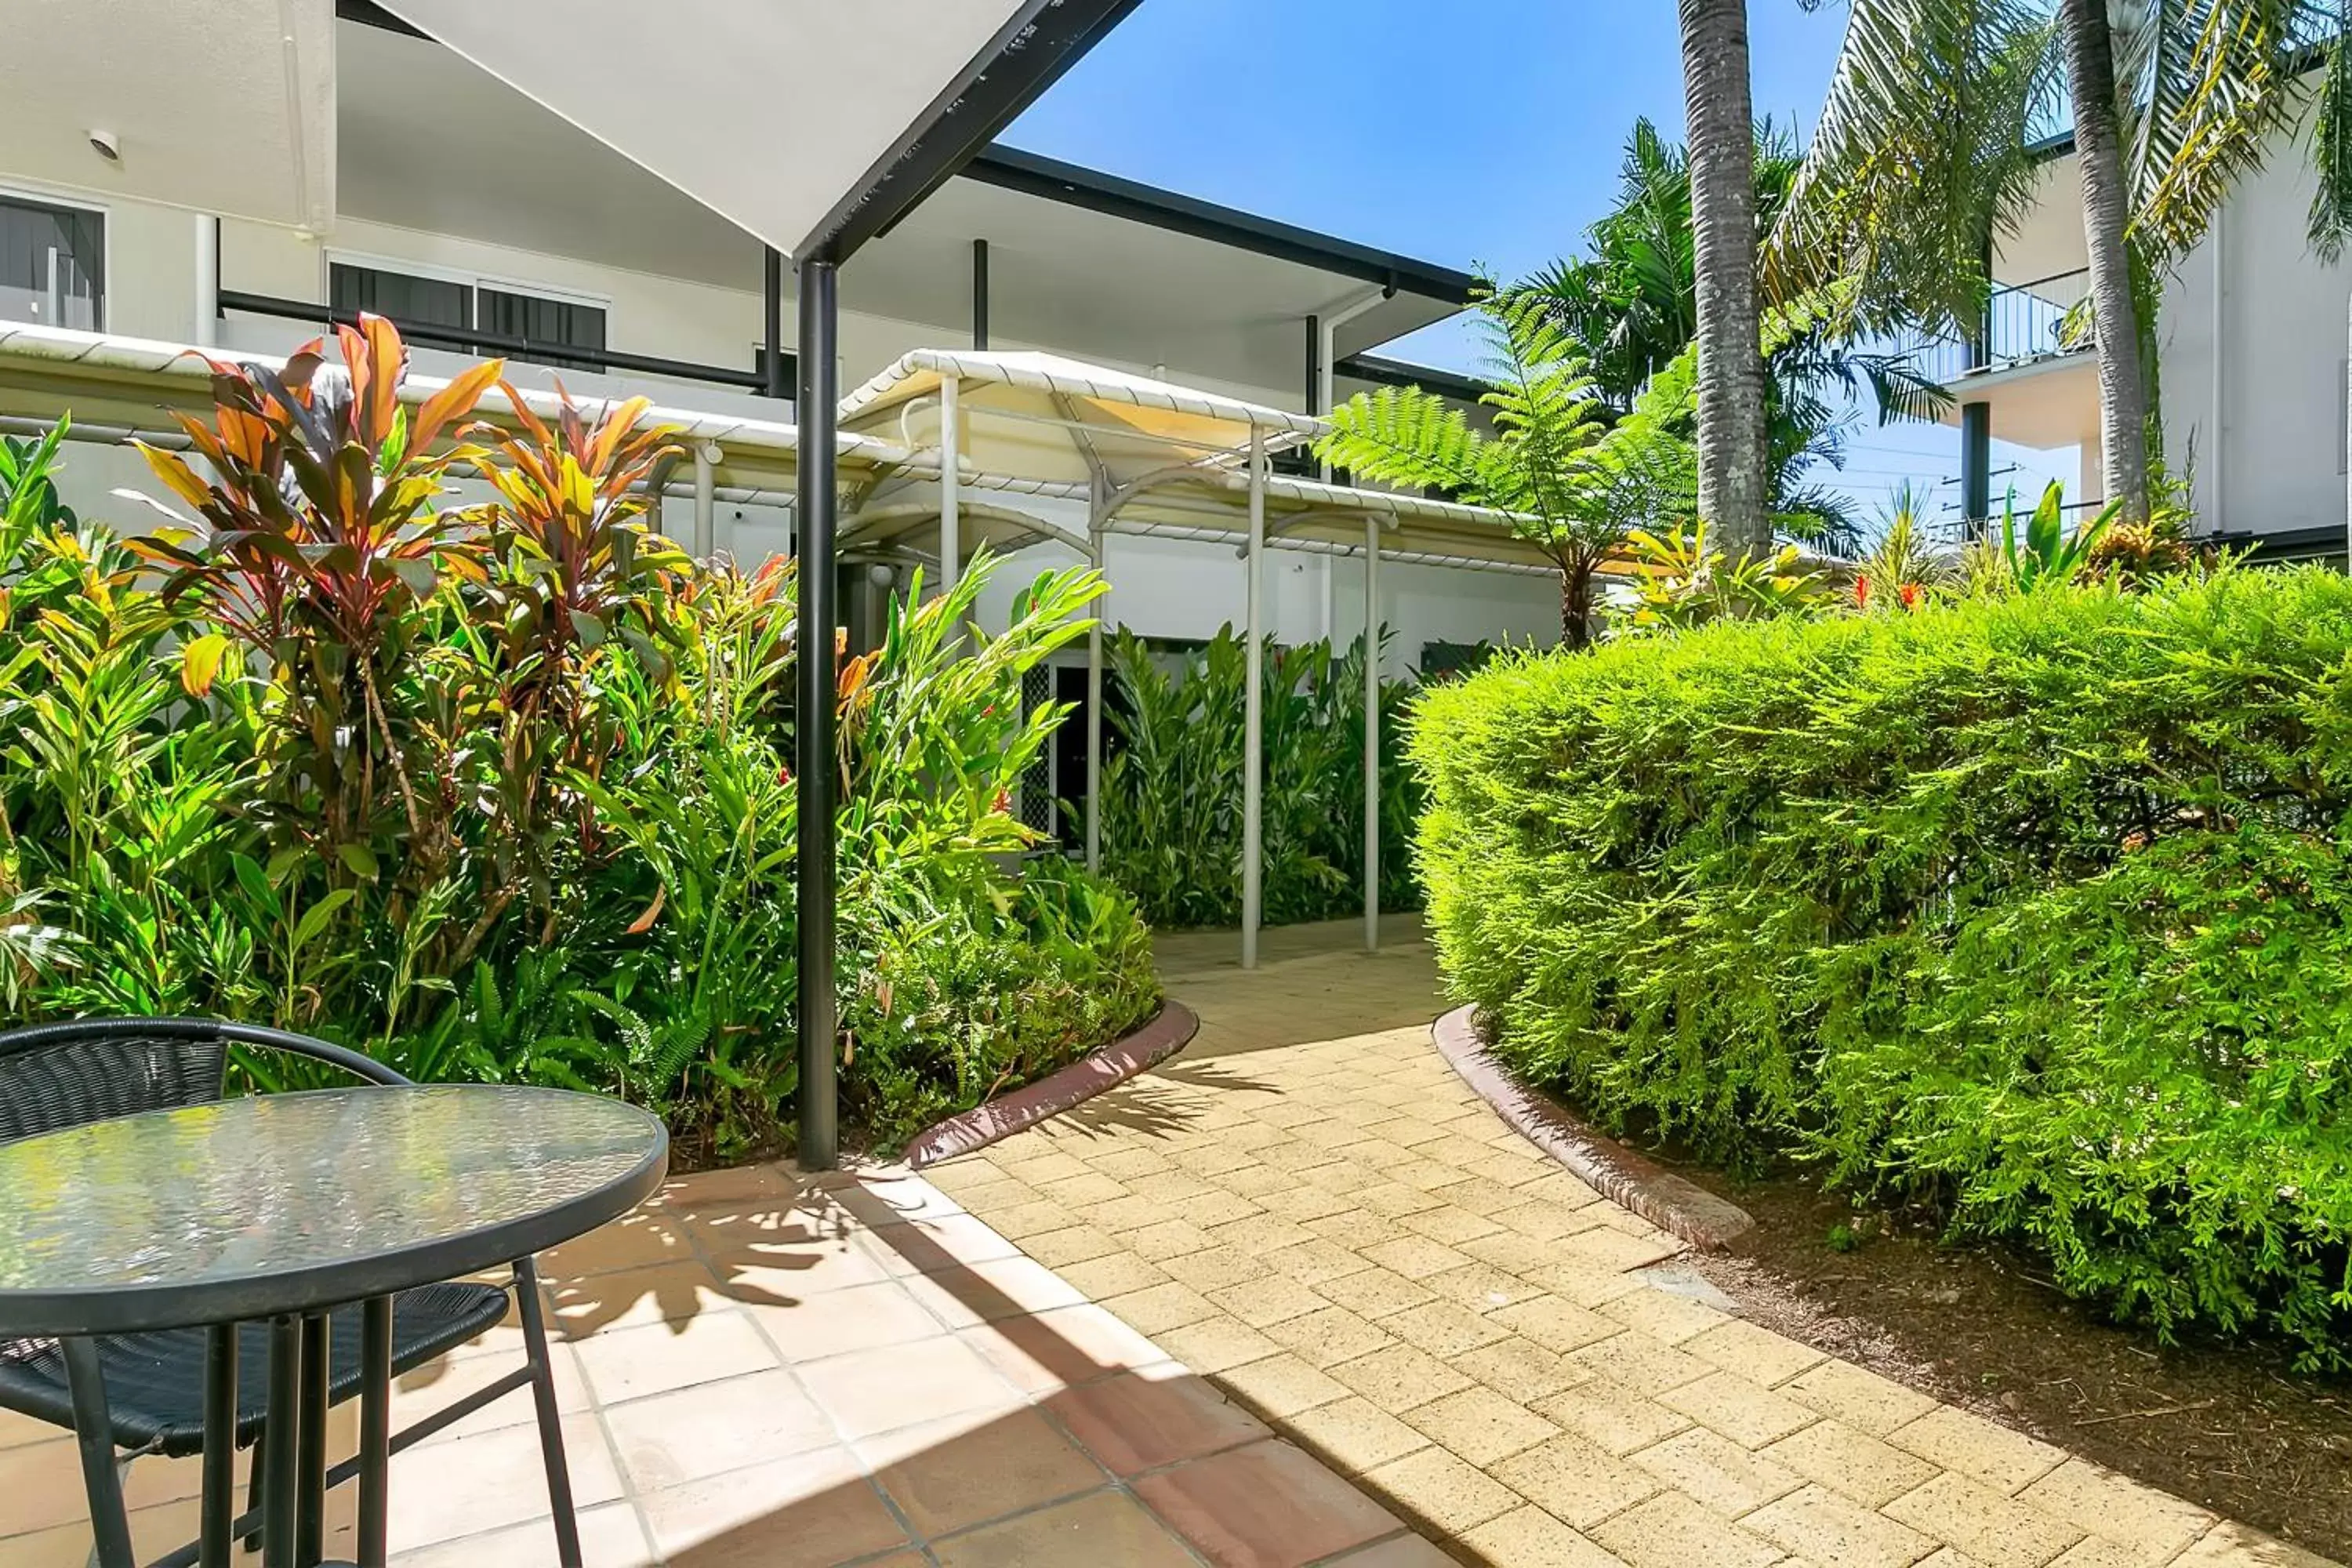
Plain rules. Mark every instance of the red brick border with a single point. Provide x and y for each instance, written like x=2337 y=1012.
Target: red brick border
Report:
x=1611 y=1169
x=1169 y=1030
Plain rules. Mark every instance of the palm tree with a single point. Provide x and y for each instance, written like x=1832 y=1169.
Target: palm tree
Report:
x=1923 y=154
x=1574 y=480
x=1732 y=445
x=2099 y=151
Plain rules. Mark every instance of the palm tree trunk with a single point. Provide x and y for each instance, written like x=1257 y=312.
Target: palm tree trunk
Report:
x=2106 y=205
x=1732 y=492
x=1576 y=569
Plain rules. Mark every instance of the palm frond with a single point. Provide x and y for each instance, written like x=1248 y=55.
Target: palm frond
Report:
x=1408 y=437
x=2331 y=144
x=2205 y=85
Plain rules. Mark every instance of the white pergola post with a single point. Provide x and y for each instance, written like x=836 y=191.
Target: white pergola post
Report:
x=706 y=500
x=1094 y=690
x=1252 y=708
x=1371 y=734
x=950 y=485
x=207 y=281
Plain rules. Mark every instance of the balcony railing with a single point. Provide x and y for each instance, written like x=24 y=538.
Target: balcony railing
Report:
x=2022 y=322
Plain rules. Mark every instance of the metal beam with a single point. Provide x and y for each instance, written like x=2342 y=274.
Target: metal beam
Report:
x=980 y=295
x=772 y=366
x=813 y=719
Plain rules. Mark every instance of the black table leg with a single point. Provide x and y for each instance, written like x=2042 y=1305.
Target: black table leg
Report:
x=376 y=1428
x=550 y=1424
x=220 y=1447
x=94 y=1432
x=311 y=1451
x=280 y=1451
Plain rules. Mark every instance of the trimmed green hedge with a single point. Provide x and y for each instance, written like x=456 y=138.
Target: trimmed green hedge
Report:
x=2037 y=910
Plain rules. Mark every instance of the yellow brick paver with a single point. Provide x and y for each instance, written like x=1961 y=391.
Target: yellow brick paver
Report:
x=1310 y=1209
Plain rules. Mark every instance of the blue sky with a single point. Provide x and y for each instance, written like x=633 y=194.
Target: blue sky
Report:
x=1390 y=122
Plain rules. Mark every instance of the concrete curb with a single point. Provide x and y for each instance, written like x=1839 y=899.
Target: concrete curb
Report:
x=1607 y=1167
x=1169 y=1031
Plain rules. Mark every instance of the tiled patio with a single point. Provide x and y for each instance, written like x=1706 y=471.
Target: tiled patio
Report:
x=763 y=1370
x=1326 y=1233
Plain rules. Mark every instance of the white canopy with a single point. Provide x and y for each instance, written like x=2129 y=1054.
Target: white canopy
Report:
x=781 y=116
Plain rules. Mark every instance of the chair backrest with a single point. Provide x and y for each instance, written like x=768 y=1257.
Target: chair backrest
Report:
x=61 y=1075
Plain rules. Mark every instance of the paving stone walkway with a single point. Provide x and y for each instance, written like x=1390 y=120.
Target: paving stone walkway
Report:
x=1309 y=1208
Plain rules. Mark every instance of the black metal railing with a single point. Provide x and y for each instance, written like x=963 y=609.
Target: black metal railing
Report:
x=2022 y=322
x=475 y=340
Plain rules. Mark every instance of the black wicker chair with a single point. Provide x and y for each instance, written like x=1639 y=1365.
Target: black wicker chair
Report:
x=54 y=1076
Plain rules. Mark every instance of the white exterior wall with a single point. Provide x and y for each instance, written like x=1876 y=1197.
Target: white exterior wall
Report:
x=1160 y=587
x=2268 y=437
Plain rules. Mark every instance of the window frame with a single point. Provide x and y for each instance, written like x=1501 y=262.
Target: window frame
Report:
x=44 y=196
x=474 y=280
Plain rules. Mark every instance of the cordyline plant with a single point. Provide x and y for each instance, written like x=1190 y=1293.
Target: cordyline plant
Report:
x=319 y=539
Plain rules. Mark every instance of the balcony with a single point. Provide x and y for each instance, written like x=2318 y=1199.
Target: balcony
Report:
x=2024 y=323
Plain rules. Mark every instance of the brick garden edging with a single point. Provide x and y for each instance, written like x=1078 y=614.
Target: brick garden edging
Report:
x=1169 y=1031
x=1616 y=1171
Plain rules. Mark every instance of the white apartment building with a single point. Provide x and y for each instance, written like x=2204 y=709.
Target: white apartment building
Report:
x=486 y=223
x=2251 y=362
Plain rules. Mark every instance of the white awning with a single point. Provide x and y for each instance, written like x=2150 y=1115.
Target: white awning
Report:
x=780 y=116
x=223 y=106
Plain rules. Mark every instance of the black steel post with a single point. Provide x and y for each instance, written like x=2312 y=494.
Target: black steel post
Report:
x=1315 y=366
x=551 y=1422
x=1976 y=461
x=980 y=295
x=218 y=1543
x=813 y=716
x=772 y=367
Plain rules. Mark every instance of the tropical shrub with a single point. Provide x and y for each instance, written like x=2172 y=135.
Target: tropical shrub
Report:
x=504 y=792
x=1171 y=783
x=2036 y=910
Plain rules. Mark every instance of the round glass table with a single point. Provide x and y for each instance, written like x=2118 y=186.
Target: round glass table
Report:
x=277 y=1207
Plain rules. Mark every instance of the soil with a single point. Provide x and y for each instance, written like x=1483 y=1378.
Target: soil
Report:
x=2228 y=1425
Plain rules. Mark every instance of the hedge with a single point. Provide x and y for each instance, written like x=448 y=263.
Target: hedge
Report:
x=2033 y=909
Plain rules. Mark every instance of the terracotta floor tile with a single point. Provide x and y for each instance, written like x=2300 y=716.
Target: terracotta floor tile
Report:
x=863 y=1317
x=1051 y=1350
x=809 y=1512
x=634 y=1241
x=951 y=1475
x=41 y=1486
x=1090 y=1532
x=928 y=1245
x=667 y=1292
x=437 y=1384
x=628 y=1364
x=1264 y=1506
x=873 y=1392
x=610 y=1537
x=673 y=1438
x=786 y=1269
x=988 y=1290
x=1133 y=1423
x=443 y=1490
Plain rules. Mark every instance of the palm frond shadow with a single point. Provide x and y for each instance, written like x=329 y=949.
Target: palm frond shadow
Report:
x=1160 y=1103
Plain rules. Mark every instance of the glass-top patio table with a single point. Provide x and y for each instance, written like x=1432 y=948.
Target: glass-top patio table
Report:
x=277 y=1207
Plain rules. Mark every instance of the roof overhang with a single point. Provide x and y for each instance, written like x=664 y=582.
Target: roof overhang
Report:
x=223 y=107
x=812 y=125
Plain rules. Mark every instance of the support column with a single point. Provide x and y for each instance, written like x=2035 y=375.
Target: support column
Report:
x=706 y=500
x=1098 y=552
x=980 y=295
x=773 y=335
x=1371 y=734
x=1976 y=461
x=950 y=484
x=813 y=719
x=1253 y=710
x=207 y=281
